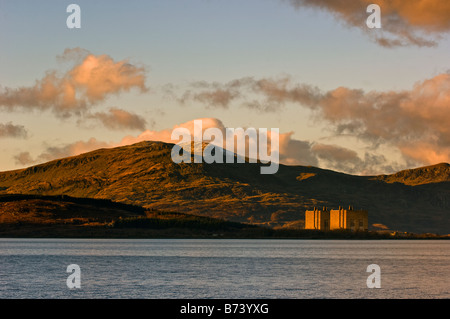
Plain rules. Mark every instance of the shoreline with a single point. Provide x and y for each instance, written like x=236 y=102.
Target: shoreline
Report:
x=101 y=232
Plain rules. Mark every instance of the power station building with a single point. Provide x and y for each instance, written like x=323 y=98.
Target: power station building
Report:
x=356 y=220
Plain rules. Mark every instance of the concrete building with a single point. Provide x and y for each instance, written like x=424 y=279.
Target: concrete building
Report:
x=317 y=219
x=356 y=220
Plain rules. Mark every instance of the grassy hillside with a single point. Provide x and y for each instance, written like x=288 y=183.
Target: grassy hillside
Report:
x=143 y=174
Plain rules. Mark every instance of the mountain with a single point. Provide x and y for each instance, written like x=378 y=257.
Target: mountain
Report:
x=143 y=174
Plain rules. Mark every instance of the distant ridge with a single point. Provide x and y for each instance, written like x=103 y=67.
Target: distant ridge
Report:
x=143 y=174
x=419 y=176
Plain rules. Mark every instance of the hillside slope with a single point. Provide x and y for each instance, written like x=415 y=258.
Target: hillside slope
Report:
x=64 y=216
x=143 y=174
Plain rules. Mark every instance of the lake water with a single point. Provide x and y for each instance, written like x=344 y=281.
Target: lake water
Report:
x=232 y=269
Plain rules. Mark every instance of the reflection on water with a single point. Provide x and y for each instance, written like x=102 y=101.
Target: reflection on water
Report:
x=161 y=268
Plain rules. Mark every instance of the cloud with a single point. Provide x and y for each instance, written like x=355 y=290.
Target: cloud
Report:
x=310 y=153
x=89 y=81
x=56 y=152
x=346 y=160
x=296 y=152
x=414 y=122
x=216 y=97
x=419 y=23
x=212 y=94
x=24 y=158
x=335 y=153
x=72 y=149
x=276 y=92
x=166 y=134
x=11 y=130
x=118 y=119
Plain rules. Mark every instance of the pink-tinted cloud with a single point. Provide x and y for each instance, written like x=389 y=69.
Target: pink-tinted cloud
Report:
x=414 y=121
x=416 y=22
x=166 y=134
x=91 y=79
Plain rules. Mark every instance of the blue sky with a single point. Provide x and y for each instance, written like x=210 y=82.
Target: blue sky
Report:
x=181 y=42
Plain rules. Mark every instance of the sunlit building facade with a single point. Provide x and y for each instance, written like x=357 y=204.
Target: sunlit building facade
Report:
x=324 y=219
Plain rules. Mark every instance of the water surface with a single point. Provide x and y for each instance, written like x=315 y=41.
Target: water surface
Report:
x=217 y=268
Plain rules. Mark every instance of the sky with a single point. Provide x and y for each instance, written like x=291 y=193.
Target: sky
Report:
x=344 y=96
